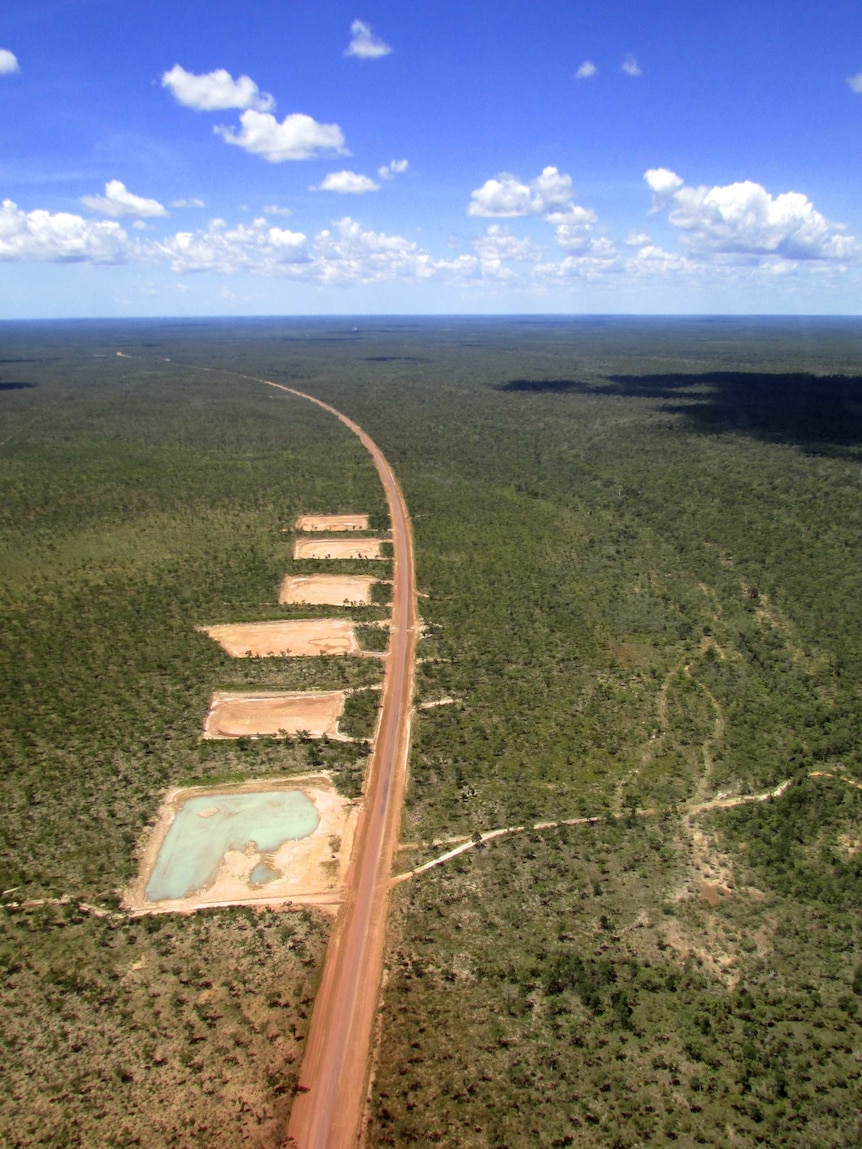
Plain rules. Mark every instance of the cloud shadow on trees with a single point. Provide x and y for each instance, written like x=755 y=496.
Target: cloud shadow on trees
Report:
x=820 y=413
x=553 y=386
x=396 y=359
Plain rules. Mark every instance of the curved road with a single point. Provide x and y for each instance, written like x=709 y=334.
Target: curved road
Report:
x=333 y=1083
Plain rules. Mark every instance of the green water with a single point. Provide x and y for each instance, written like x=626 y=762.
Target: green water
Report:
x=263 y=873
x=194 y=845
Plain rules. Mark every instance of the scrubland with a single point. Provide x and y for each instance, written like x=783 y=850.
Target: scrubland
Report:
x=638 y=548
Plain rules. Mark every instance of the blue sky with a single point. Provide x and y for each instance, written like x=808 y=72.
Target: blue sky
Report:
x=212 y=157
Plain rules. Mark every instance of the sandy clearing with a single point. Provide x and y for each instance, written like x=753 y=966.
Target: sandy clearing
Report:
x=327 y=590
x=337 y=549
x=312 y=869
x=332 y=523
x=289 y=637
x=270 y=713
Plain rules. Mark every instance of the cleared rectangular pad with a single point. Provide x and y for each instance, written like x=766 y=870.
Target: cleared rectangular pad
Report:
x=271 y=713
x=287 y=638
x=257 y=842
x=337 y=549
x=332 y=523
x=326 y=590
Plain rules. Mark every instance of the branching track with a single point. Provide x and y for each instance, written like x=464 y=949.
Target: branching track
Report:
x=333 y=1083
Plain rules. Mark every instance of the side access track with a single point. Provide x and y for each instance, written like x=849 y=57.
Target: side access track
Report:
x=333 y=1083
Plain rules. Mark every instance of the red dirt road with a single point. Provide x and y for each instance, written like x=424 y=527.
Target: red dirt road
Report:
x=333 y=1082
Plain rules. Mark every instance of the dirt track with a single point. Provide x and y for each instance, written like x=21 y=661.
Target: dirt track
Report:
x=327 y=1112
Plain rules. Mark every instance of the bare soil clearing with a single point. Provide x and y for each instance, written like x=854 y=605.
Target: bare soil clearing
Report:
x=310 y=870
x=332 y=523
x=327 y=590
x=270 y=713
x=337 y=549
x=290 y=637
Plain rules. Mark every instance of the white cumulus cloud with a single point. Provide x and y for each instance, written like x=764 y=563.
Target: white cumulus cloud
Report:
x=652 y=261
x=506 y=197
x=215 y=91
x=551 y=190
x=344 y=254
x=60 y=237
x=256 y=247
x=350 y=254
x=743 y=220
x=663 y=184
x=347 y=254
x=365 y=44
x=392 y=169
x=347 y=183
x=586 y=70
x=855 y=82
x=574 y=227
x=119 y=203
x=498 y=245
x=297 y=137
x=592 y=262
x=631 y=67
x=8 y=63
x=550 y=196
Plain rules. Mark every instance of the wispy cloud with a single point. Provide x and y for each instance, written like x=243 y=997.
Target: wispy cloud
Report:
x=392 y=169
x=215 y=91
x=586 y=70
x=365 y=45
x=855 y=82
x=631 y=66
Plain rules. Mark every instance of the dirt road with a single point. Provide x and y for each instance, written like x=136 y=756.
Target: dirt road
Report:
x=328 y=1109
x=333 y=1081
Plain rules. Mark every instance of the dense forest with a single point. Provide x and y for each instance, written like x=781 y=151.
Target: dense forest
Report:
x=638 y=548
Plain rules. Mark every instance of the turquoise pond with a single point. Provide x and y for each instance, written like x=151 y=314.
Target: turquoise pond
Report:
x=206 y=827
